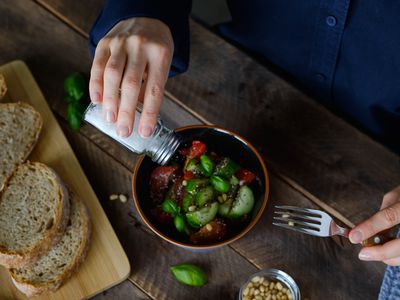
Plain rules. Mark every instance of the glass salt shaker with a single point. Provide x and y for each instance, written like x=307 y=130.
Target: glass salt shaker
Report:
x=160 y=146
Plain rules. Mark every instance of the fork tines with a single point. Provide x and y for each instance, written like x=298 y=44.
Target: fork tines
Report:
x=299 y=219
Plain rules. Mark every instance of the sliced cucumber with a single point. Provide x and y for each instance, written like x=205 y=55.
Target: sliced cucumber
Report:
x=243 y=204
x=205 y=195
x=187 y=201
x=226 y=168
x=225 y=208
x=203 y=215
x=193 y=185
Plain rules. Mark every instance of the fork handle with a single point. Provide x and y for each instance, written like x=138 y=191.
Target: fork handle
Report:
x=380 y=238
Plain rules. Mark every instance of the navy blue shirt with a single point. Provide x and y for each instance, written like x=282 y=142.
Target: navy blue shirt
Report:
x=346 y=53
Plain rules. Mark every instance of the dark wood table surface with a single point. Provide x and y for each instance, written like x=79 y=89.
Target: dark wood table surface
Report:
x=315 y=159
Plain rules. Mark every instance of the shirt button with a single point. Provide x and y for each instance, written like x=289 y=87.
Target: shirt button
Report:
x=331 y=21
x=320 y=77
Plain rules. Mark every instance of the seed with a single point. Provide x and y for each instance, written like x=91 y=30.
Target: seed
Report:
x=251 y=291
x=262 y=279
x=113 y=197
x=271 y=285
x=246 y=291
x=208 y=227
x=273 y=297
x=280 y=294
x=290 y=223
x=192 y=208
x=256 y=292
x=284 y=297
x=255 y=279
x=279 y=286
x=285 y=216
x=123 y=198
x=284 y=290
x=268 y=297
x=250 y=285
x=262 y=288
x=224 y=197
x=184 y=183
x=258 y=297
x=266 y=283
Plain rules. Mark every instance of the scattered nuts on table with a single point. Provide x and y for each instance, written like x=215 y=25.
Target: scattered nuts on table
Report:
x=123 y=198
x=113 y=197
x=260 y=288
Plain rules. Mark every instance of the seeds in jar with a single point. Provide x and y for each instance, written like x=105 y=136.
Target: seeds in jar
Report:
x=260 y=288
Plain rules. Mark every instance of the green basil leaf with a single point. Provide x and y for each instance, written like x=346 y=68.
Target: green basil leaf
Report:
x=179 y=222
x=219 y=184
x=75 y=86
x=189 y=274
x=75 y=112
x=170 y=206
x=207 y=165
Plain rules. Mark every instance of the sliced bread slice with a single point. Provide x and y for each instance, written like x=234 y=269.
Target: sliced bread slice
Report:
x=50 y=271
x=20 y=125
x=3 y=86
x=34 y=211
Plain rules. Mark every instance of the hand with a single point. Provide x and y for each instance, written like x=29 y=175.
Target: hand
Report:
x=135 y=56
x=387 y=217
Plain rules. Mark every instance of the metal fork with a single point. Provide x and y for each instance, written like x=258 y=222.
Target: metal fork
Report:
x=310 y=221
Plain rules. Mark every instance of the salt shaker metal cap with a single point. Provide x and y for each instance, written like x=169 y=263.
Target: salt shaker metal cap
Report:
x=160 y=146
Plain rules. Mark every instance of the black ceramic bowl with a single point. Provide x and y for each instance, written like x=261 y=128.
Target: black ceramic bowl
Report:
x=224 y=143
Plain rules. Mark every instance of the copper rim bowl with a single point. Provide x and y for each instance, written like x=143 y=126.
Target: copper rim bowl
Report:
x=223 y=142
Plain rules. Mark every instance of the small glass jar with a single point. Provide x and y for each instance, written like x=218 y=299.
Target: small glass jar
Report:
x=160 y=146
x=274 y=275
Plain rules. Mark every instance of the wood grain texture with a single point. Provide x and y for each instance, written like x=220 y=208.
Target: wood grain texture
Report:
x=108 y=169
x=312 y=261
x=106 y=261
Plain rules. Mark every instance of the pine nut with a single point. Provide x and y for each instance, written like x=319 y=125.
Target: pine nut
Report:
x=290 y=223
x=209 y=227
x=224 y=197
x=113 y=197
x=246 y=291
x=256 y=292
x=184 y=183
x=279 y=286
x=123 y=198
x=255 y=279
x=192 y=208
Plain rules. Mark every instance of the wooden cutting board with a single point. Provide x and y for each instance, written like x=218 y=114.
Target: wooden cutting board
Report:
x=106 y=263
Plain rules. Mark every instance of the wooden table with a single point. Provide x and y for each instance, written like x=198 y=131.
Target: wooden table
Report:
x=315 y=159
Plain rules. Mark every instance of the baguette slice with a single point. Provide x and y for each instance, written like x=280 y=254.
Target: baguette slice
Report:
x=3 y=87
x=52 y=270
x=20 y=125
x=34 y=212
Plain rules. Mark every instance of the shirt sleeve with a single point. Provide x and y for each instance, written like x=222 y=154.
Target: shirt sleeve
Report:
x=174 y=13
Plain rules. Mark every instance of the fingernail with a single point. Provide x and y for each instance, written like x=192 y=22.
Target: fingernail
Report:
x=146 y=131
x=356 y=237
x=123 y=131
x=95 y=97
x=365 y=255
x=110 y=116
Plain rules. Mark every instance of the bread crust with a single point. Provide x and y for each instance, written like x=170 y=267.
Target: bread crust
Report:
x=18 y=259
x=3 y=87
x=34 y=139
x=31 y=288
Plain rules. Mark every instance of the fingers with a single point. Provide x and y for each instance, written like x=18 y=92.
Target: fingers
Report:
x=391 y=198
x=96 y=73
x=130 y=89
x=158 y=67
x=112 y=80
x=389 y=252
x=384 y=219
